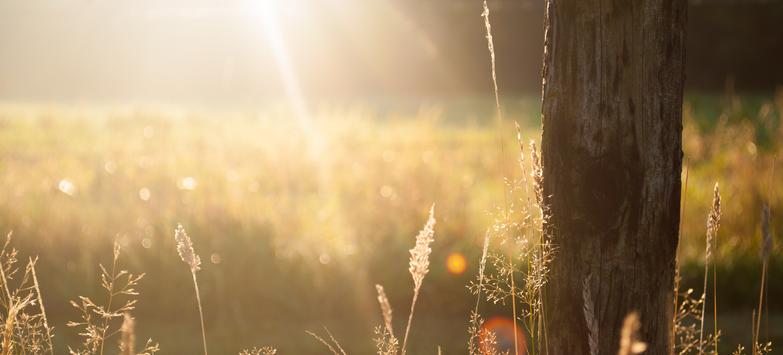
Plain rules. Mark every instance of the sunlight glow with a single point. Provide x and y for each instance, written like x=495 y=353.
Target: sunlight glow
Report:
x=269 y=13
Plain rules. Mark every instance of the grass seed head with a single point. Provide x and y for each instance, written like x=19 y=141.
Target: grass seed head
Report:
x=386 y=309
x=713 y=223
x=185 y=249
x=420 y=254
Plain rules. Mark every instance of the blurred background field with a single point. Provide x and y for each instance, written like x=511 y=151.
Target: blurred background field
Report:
x=296 y=224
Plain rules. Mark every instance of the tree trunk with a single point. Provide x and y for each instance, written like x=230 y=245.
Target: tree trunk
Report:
x=612 y=156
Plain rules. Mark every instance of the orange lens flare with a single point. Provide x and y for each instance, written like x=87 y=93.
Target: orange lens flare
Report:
x=503 y=328
x=456 y=263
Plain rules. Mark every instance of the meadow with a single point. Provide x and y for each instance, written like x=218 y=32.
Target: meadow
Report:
x=297 y=218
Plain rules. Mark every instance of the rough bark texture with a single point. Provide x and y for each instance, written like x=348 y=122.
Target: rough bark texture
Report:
x=612 y=156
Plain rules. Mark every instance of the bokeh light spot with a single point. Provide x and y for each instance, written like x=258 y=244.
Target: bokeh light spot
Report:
x=456 y=263
x=67 y=187
x=144 y=194
x=187 y=183
x=387 y=191
x=324 y=258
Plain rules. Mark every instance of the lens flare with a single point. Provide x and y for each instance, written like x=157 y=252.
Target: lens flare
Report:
x=456 y=263
x=503 y=328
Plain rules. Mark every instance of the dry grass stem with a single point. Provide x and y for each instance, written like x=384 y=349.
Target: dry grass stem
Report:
x=49 y=333
x=332 y=344
x=766 y=247
x=713 y=224
x=420 y=266
x=491 y=48
x=186 y=253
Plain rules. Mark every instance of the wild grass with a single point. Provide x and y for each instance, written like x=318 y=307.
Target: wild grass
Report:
x=332 y=344
x=713 y=224
x=519 y=240
x=101 y=322
x=420 y=266
x=690 y=311
x=189 y=257
x=25 y=328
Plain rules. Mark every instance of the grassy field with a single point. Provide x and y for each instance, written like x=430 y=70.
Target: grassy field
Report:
x=296 y=220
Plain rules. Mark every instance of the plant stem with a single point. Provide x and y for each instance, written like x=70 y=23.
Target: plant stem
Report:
x=410 y=318
x=703 y=307
x=41 y=306
x=761 y=302
x=677 y=257
x=111 y=297
x=514 y=306
x=715 y=298
x=200 y=312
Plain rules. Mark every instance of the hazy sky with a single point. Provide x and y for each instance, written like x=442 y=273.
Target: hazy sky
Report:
x=196 y=51
x=221 y=52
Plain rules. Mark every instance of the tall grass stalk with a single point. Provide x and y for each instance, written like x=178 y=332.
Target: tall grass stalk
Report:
x=491 y=49
x=8 y=327
x=39 y=297
x=482 y=267
x=769 y=202
x=110 y=294
x=419 y=266
x=186 y=253
x=713 y=224
x=758 y=314
x=766 y=248
x=475 y=341
x=514 y=308
x=677 y=257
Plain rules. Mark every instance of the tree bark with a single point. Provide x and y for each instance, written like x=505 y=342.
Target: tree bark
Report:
x=612 y=157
